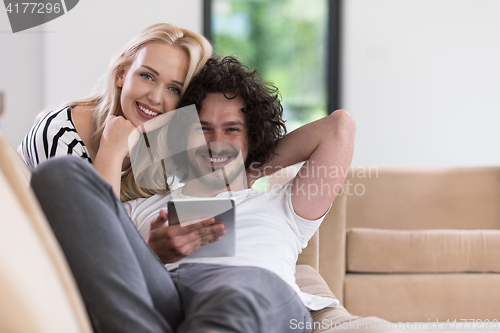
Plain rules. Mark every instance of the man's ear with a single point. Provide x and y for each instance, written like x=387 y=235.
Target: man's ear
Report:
x=120 y=76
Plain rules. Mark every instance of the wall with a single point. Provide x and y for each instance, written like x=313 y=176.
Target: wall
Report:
x=64 y=59
x=422 y=79
x=21 y=78
x=78 y=51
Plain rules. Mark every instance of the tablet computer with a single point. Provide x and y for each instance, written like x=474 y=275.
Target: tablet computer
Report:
x=189 y=211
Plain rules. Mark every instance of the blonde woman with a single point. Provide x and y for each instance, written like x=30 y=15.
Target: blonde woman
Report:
x=145 y=80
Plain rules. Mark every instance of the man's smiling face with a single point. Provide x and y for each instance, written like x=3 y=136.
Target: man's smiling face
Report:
x=224 y=131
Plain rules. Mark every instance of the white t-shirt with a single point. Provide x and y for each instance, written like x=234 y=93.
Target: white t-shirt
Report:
x=269 y=234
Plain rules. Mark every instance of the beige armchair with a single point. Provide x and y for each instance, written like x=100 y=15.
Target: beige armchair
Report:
x=39 y=295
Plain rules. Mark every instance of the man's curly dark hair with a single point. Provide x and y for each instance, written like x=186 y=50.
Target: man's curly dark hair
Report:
x=263 y=110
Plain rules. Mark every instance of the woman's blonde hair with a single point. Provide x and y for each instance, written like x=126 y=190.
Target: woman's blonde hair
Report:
x=105 y=100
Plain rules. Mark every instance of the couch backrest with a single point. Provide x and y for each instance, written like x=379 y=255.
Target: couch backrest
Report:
x=38 y=293
x=424 y=198
x=332 y=240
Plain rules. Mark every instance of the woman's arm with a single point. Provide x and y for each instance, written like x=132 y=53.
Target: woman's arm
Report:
x=53 y=135
x=69 y=131
x=112 y=156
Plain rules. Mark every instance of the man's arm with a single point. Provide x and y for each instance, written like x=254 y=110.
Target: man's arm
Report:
x=327 y=147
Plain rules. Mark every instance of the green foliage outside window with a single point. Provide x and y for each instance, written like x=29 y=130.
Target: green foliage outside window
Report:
x=286 y=41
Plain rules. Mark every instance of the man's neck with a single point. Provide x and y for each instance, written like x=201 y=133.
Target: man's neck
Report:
x=195 y=188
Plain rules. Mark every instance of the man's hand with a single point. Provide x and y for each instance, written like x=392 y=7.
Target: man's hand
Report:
x=172 y=243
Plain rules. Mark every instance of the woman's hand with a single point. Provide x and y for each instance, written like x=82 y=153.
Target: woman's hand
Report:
x=115 y=137
x=172 y=243
x=113 y=150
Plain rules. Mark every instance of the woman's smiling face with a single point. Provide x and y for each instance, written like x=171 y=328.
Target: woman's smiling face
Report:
x=152 y=83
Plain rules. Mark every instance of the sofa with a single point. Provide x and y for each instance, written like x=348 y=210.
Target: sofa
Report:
x=422 y=244
x=414 y=244
x=39 y=294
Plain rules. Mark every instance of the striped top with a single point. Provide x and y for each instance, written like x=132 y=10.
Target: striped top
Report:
x=54 y=135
